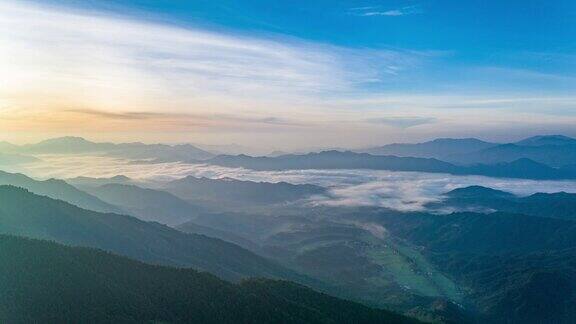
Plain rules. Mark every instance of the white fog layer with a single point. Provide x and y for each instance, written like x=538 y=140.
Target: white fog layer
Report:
x=408 y=191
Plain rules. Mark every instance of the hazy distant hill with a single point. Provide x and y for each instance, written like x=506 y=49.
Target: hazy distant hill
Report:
x=333 y=160
x=240 y=192
x=26 y=214
x=78 y=285
x=78 y=145
x=146 y=204
x=552 y=155
x=96 y=182
x=14 y=159
x=66 y=145
x=9 y=155
x=8 y=147
x=552 y=150
x=231 y=149
x=553 y=205
x=58 y=189
x=522 y=168
x=545 y=140
x=439 y=148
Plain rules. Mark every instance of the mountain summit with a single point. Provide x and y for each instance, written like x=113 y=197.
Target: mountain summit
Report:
x=543 y=140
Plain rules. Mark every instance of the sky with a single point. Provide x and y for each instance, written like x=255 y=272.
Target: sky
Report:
x=287 y=75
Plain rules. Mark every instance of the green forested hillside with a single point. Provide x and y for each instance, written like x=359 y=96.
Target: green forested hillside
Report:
x=26 y=214
x=78 y=285
x=494 y=234
x=538 y=287
x=552 y=205
x=514 y=268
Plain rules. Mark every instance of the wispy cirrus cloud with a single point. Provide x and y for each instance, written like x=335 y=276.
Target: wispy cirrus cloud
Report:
x=372 y=11
x=114 y=60
x=402 y=122
x=77 y=72
x=61 y=67
x=181 y=119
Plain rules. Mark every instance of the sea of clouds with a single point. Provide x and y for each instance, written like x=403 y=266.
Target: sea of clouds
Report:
x=407 y=191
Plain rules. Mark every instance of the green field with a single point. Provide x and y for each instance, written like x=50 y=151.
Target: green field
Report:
x=409 y=269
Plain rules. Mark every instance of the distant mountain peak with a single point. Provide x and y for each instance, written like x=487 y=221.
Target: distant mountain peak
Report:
x=66 y=139
x=542 y=140
x=527 y=162
x=456 y=140
x=478 y=191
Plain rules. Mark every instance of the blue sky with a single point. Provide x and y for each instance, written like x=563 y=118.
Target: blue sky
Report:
x=294 y=70
x=475 y=31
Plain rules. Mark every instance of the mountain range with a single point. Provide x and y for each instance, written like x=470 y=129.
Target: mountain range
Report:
x=441 y=148
x=477 y=255
x=337 y=249
x=78 y=285
x=514 y=268
x=521 y=168
x=498 y=266
x=146 y=204
x=552 y=150
x=555 y=205
x=78 y=145
x=58 y=189
x=26 y=214
x=237 y=192
x=461 y=267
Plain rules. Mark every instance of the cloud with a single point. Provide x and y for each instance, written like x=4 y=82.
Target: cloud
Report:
x=372 y=11
x=53 y=55
x=403 y=122
x=384 y=13
x=78 y=72
x=122 y=116
x=405 y=191
x=183 y=118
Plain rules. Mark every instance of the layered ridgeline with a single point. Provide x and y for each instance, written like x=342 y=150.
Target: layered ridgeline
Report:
x=146 y=204
x=58 y=189
x=358 y=259
x=476 y=198
x=500 y=267
x=441 y=148
x=552 y=150
x=87 y=182
x=78 y=145
x=79 y=285
x=184 y=199
x=26 y=214
x=521 y=168
x=238 y=192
